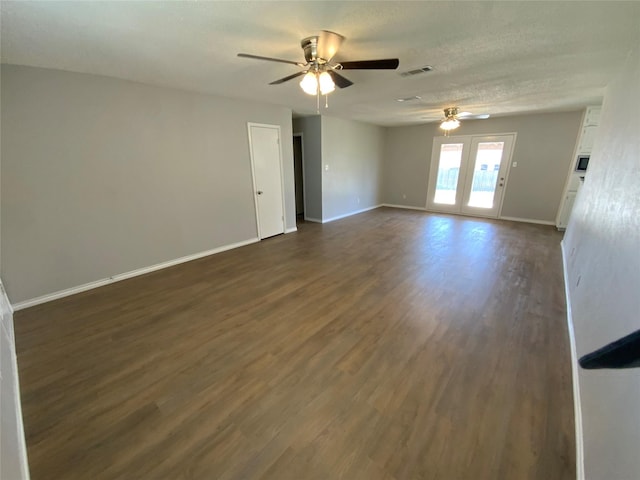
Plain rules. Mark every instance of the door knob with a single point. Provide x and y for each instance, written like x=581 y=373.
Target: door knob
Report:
x=259 y=192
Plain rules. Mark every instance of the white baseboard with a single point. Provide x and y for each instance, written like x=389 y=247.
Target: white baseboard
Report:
x=527 y=220
x=333 y=219
x=577 y=405
x=14 y=441
x=123 y=276
x=291 y=230
x=311 y=219
x=406 y=207
x=511 y=219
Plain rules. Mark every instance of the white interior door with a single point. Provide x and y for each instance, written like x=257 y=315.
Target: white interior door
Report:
x=264 y=143
x=468 y=174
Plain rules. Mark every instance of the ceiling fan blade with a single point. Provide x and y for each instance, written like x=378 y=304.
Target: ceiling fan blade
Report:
x=328 y=44
x=270 y=59
x=339 y=80
x=471 y=116
x=384 y=64
x=287 y=78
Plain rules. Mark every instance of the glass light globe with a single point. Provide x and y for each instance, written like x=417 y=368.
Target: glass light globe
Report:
x=326 y=83
x=450 y=124
x=309 y=83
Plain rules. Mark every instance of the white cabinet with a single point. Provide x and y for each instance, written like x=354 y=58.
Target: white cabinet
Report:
x=565 y=210
x=584 y=145
x=587 y=136
x=592 y=116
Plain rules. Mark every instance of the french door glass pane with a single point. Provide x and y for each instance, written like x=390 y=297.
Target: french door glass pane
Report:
x=448 y=172
x=485 y=174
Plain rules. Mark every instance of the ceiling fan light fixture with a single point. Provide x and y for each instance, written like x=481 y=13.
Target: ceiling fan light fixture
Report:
x=314 y=81
x=309 y=84
x=450 y=124
x=326 y=83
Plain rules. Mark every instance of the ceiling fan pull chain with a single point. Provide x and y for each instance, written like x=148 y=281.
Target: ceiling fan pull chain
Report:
x=318 y=101
x=326 y=101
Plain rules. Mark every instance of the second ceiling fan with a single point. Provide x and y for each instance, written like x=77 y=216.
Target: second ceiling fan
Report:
x=319 y=69
x=452 y=118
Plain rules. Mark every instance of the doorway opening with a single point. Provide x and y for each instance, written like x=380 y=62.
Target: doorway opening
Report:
x=298 y=172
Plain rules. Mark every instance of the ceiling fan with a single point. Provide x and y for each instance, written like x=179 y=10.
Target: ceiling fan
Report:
x=319 y=69
x=452 y=118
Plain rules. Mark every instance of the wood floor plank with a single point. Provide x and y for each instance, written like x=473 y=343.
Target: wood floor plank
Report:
x=389 y=345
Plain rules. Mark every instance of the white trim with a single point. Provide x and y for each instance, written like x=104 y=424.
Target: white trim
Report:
x=123 y=276
x=511 y=219
x=527 y=220
x=291 y=230
x=310 y=219
x=577 y=404
x=253 y=178
x=327 y=220
x=407 y=207
x=6 y=312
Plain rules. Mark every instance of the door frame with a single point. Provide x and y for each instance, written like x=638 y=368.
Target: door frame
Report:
x=253 y=173
x=439 y=140
x=304 y=189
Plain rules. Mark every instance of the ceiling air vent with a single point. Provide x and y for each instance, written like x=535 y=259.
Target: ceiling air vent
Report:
x=416 y=71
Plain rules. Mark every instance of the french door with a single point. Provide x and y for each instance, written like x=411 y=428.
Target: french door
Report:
x=468 y=174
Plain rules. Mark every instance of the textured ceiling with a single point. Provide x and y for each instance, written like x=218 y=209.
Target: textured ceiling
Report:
x=488 y=57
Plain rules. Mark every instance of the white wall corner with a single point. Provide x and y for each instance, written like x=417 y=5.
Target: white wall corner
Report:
x=577 y=406
x=13 y=448
x=291 y=230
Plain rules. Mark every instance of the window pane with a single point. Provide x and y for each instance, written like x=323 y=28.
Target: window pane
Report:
x=448 y=172
x=485 y=174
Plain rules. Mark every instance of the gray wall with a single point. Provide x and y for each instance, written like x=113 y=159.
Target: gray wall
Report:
x=543 y=150
x=310 y=128
x=602 y=251
x=407 y=153
x=103 y=176
x=353 y=152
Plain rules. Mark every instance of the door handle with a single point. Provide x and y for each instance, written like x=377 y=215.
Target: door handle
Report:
x=259 y=192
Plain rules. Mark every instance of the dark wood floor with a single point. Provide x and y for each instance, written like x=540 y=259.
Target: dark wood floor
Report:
x=389 y=345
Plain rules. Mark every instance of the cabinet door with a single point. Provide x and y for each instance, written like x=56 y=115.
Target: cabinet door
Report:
x=586 y=139
x=565 y=210
x=592 y=116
